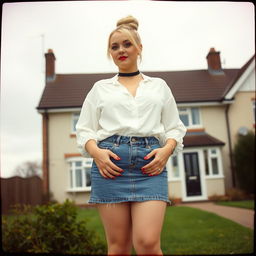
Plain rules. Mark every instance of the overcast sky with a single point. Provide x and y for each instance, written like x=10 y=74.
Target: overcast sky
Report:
x=175 y=35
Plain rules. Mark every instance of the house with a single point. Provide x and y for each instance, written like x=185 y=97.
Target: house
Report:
x=215 y=104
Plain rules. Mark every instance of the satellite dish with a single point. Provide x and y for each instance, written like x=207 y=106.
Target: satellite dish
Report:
x=243 y=131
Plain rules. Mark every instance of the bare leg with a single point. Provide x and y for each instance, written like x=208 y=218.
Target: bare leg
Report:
x=147 y=222
x=116 y=219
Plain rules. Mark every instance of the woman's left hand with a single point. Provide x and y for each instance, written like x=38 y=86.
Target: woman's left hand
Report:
x=157 y=165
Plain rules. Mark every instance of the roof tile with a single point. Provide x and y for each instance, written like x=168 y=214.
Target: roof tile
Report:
x=201 y=139
x=70 y=90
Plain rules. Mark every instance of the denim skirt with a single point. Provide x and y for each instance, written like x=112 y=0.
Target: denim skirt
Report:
x=132 y=185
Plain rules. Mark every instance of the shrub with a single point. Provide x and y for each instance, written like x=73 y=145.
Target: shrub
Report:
x=219 y=198
x=233 y=194
x=244 y=153
x=236 y=194
x=50 y=228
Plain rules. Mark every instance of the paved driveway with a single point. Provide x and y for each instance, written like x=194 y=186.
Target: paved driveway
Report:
x=242 y=216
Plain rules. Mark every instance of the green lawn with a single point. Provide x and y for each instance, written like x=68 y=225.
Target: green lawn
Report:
x=192 y=231
x=248 y=204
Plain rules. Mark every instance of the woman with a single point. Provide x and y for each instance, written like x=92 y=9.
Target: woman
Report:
x=130 y=126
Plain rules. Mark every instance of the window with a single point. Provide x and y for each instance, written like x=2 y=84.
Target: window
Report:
x=80 y=173
x=184 y=116
x=195 y=116
x=206 y=162
x=212 y=162
x=75 y=117
x=190 y=117
x=175 y=172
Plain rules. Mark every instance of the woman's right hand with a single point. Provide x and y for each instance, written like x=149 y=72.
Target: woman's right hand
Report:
x=106 y=167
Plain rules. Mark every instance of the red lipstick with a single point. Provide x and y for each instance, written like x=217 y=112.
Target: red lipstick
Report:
x=122 y=58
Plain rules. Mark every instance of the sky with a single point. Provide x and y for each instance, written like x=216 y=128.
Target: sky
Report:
x=176 y=35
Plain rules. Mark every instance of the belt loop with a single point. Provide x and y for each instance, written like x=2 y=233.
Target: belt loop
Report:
x=146 y=140
x=118 y=140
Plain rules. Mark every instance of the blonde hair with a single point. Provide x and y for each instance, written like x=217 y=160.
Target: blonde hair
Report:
x=129 y=26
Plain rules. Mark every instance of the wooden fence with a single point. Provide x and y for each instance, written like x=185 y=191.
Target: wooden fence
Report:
x=18 y=190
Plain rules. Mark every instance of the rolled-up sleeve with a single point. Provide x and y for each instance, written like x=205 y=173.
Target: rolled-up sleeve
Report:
x=174 y=128
x=88 y=123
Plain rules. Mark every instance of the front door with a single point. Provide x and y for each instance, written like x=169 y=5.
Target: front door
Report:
x=192 y=174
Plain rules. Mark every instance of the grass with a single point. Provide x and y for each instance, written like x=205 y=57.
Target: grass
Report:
x=191 y=231
x=248 y=204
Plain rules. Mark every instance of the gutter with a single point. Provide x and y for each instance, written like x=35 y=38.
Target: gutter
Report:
x=204 y=103
x=179 y=104
x=59 y=110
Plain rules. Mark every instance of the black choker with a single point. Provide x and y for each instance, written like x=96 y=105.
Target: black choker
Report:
x=129 y=74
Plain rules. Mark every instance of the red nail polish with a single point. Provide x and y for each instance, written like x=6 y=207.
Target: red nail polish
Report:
x=142 y=169
x=118 y=158
x=146 y=157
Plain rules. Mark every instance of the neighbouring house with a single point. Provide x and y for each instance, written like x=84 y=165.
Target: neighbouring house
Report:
x=215 y=104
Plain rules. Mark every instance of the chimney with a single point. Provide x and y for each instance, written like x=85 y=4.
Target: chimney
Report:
x=49 y=66
x=214 y=64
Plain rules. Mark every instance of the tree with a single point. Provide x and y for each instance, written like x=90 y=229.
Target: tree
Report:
x=29 y=169
x=244 y=153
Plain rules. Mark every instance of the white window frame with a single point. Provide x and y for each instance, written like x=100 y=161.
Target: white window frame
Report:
x=169 y=165
x=71 y=171
x=209 y=162
x=74 y=118
x=188 y=111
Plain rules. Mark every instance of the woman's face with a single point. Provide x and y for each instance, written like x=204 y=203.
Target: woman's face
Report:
x=123 y=52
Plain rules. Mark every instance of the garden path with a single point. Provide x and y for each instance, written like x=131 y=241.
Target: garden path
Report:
x=242 y=216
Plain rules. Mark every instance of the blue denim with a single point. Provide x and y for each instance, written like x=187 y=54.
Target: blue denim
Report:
x=133 y=185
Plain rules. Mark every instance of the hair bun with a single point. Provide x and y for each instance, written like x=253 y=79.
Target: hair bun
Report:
x=128 y=21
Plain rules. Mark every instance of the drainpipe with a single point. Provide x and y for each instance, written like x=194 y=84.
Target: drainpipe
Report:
x=46 y=156
x=230 y=146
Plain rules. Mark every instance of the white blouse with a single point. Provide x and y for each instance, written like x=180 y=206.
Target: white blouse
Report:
x=109 y=108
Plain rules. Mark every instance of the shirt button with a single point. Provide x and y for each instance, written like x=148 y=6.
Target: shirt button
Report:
x=133 y=139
